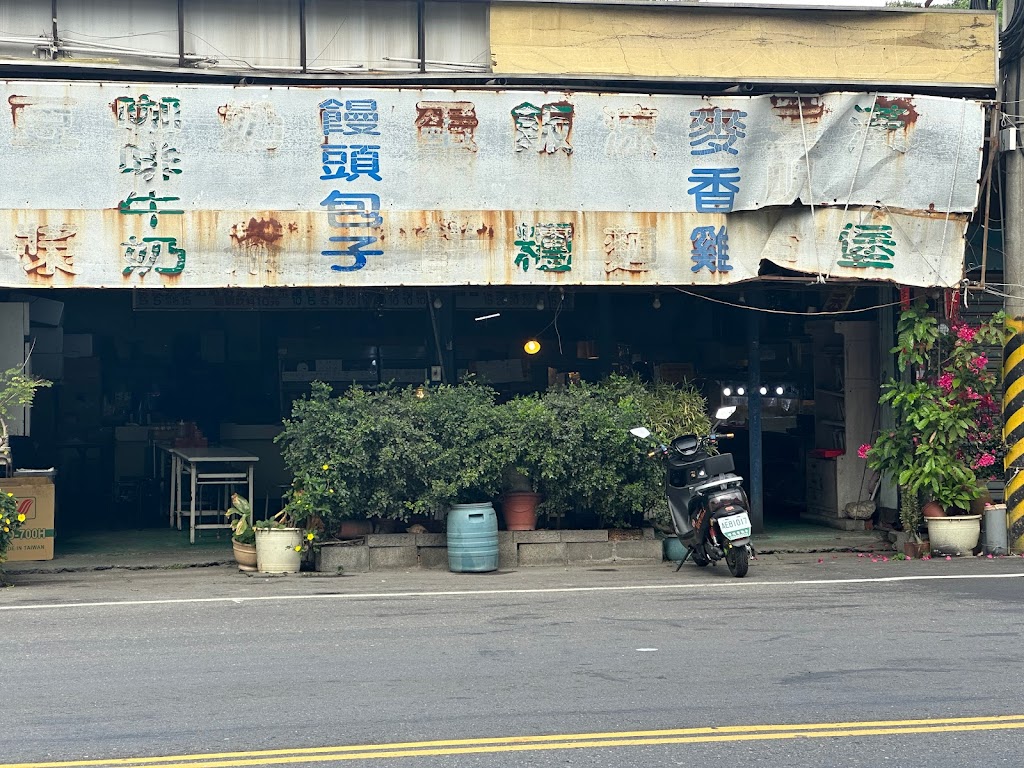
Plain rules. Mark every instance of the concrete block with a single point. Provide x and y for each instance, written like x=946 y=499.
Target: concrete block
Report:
x=648 y=533
x=435 y=558
x=431 y=540
x=640 y=551
x=391 y=540
x=583 y=536
x=329 y=558
x=536 y=537
x=392 y=558
x=542 y=554
x=588 y=553
x=508 y=552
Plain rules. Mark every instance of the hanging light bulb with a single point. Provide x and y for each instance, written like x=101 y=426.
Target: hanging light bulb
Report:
x=657 y=302
x=741 y=391
x=727 y=392
x=763 y=390
x=779 y=391
x=531 y=347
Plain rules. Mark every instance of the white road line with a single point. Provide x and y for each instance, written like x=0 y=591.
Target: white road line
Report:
x=737 y=584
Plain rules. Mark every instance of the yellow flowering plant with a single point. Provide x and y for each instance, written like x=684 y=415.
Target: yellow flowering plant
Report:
x=10 y=522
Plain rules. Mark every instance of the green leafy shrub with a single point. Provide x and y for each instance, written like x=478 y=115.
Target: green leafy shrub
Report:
x=460 y=425
x=600 y=467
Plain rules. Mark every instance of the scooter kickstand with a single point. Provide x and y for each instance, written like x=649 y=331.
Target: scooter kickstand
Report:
x=685 y=555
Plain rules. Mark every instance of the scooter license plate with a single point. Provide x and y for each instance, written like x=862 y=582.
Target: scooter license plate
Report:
x=735 y=526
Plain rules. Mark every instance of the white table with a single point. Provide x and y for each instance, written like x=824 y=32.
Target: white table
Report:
x=216 y=465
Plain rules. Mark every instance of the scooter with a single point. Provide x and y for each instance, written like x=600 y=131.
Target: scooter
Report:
x=710 y=511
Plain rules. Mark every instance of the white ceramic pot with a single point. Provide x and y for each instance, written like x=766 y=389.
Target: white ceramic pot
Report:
x=956 y=535
x=275 y=550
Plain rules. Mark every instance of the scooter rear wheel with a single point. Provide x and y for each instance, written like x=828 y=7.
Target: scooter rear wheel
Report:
x=738 y=559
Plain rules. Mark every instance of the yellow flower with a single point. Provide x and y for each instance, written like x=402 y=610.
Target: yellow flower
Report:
x=327 y=466
x=6 y=529
x=21 y=518
x=310 y=536
x=298 y=547
x=330 y=490
x=11 y=495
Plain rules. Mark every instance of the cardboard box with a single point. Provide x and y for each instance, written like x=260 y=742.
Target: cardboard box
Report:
x=34 y=496
x=77 y=345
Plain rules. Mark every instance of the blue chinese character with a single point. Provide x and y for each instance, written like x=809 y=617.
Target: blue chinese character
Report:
x=717 y=128
x=710 y=249
x=361 y=117
x=352 y=210
x=349 y=162
x=715 y=188
x=356 y=117
x=355 y=249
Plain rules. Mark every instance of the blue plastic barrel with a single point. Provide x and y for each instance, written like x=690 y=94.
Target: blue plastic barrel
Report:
x=472 y=538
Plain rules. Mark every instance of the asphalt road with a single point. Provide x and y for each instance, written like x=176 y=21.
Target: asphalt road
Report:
x=804 y=663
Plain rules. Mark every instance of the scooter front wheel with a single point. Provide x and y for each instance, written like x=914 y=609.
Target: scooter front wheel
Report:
x=738 y=559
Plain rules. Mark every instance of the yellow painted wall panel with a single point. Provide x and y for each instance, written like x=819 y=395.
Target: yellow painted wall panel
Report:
x=884 y=46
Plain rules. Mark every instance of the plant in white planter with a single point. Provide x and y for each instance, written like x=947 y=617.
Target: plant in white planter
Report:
x=282 y=540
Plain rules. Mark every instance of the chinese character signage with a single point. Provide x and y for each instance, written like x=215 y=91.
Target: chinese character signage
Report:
x=175 y=186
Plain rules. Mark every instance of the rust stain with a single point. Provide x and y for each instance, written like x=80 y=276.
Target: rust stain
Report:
x=17 y=102
x=222 y=112
x=258 y=231
x=401 y=230
x=113 y=108
x=904 y=104
x=791 y=107
x=293 y=227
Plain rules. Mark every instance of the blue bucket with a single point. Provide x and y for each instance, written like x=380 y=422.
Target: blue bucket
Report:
x=472 y=538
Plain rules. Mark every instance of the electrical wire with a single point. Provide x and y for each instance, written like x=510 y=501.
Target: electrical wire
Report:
x=785 y=311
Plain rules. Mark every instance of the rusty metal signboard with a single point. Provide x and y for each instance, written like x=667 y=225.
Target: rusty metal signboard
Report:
x=164 y=186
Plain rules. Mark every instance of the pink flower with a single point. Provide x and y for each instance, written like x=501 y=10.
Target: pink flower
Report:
x=985 y=460
x=946 y=382
x=862 y=452
x=979 y=363
x=965 y=333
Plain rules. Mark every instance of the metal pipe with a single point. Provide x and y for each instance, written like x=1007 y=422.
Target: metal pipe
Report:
x=53 y=29
x=125 y=52
x=181 y=33
x=421 y=33
x=436 y=62
x=754 y=419
x=302 y=35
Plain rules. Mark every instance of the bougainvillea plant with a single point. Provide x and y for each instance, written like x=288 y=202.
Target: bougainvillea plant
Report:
x=948 y=428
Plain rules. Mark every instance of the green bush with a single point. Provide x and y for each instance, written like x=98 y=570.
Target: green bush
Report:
x=395 y=453
x=602 y=469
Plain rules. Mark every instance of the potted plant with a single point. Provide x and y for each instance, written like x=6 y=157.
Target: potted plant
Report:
x=17 y=390
x=526 y=431
x=945 y=427
x=243 y=535
x=282 y=540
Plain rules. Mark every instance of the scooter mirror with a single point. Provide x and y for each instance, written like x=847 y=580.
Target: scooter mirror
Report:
x=725 y=412
x=642 y=432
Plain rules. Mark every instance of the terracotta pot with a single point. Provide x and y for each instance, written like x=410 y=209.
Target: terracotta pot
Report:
x=245 y=555
x=916 y=549
x=933 y=509
x=520 y=511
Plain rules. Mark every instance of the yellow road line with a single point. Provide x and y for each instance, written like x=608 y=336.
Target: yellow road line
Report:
x=554 y=742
